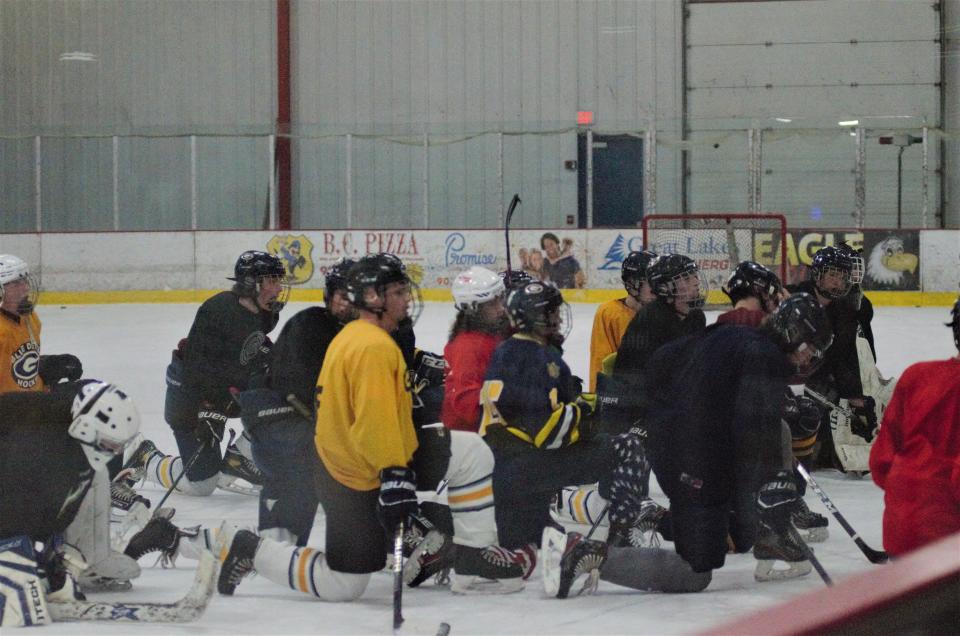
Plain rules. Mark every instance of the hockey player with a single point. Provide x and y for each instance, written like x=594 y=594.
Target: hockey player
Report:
x=613 y=316
x=367 y=445
x=755 y=293
x=540 y=431
x=227 y=350
x=713 y=418
x=481 y=324
x=51 y=447
x=280 y=419
x=916 y=459
x=22 y=368
x=831 y=279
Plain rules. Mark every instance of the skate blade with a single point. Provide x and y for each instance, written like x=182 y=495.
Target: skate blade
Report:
x=814 y=535
x=552 y=545
x=470 y=585
x=766 y=570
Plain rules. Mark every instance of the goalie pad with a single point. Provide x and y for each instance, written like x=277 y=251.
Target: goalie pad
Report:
x=22 y=598
x=874 y=385
x=852 y=450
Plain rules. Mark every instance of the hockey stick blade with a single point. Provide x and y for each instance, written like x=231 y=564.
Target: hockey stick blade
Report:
x=189 y=608
x=874 y=556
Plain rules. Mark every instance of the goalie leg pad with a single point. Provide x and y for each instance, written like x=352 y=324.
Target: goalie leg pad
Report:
x=22 y=598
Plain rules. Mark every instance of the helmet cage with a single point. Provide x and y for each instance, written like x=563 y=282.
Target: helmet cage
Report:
x=14 y=270
x=846 y=277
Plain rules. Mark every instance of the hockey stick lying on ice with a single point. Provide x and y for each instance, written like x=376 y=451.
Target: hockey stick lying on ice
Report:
x=874 y=556
x=188 y=608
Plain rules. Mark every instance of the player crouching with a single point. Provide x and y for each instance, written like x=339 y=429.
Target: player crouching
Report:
x=368 y=472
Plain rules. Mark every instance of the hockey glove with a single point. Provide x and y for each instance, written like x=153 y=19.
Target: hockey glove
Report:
x=864 y=422
x=428 y=369
x=54 y=369
x=210 y=425
x=802 y=416
x=398 y=496
x=778 y=499
x=575 y=385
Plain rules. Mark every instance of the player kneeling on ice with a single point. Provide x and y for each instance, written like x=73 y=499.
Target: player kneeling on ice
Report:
x=52 y=445
x=715 y=439
x=539 y=427
x=369 y=470
x=226 y=350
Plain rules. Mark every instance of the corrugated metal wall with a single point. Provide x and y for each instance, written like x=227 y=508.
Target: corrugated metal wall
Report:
x=171 y=68
x=460 y=72
x=951 y=111
x=814 y=64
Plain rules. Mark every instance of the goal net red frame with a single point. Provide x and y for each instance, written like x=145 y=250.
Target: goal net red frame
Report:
x=718 y=242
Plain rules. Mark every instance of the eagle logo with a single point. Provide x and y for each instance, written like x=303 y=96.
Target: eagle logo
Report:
x=889 y=265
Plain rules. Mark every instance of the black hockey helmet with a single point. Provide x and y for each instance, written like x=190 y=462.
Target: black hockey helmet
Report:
x=832 y=259
x=633 y=271
x=955 y=323
x=513 y=278
x=538 y=307
x=251 y=268
x=378 y=271
x=799 y=323
x=667 y=270
x=751 y=279
x=336 y=278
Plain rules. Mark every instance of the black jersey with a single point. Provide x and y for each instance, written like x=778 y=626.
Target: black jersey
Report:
x=841 y=364
x=225 y=347
x=297 y=356
x=654 y=325
x=527 y=391
x=44 y=473
x=714 y=401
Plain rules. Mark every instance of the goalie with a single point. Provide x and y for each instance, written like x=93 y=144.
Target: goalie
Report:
x=52 y=447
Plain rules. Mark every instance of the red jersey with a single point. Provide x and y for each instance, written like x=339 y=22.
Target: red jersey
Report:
x=467 y=356
x=916 y=458
x=742 y=316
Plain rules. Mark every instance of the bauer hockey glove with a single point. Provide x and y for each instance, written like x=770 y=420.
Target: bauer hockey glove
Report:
x=778 y=499
x=54 y=369
x=398 y=496
x=210 y=425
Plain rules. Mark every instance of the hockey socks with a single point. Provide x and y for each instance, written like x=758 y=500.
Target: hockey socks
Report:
x=306 y=570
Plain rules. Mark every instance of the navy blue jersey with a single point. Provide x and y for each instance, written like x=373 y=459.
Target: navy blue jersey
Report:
x=298 y=354
x=714 y=405
x=527 y=391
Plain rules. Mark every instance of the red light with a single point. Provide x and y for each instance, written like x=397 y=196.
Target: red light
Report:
x=584 y=117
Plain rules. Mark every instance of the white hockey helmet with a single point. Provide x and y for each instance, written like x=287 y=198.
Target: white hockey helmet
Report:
x=104 y=420
x=475 y=286
x=12 y=269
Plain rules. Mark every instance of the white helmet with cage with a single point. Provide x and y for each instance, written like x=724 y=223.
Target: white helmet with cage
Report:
x=104 y=420
x=476 y=286
x=13 y=269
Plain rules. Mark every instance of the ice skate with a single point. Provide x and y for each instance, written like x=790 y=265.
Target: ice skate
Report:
x=236 y=466
x=643 y=532
x=771 y=547
x=135 y=468
x=239 y=560
x=489 y=570
x=811 y=525
x=568 y=558
x=160 y=534
x=428 y=552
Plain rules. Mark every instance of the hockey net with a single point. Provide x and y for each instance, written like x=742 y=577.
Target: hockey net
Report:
x=717 y=242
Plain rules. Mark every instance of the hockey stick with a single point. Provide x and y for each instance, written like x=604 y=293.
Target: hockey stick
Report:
x=874 y=556
x=188 y=608
x=398 y=577
x=596 y=524
x=807 y=552
x=506 y=229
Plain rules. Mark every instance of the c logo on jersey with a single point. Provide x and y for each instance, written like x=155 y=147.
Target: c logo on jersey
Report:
x=251 y=347
x=24 y=365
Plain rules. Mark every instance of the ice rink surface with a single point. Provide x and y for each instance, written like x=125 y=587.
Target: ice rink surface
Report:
x=131 y=344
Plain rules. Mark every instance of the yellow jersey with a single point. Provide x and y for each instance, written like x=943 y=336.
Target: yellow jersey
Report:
x=609 y=325
x=19 y=353
x=364 y=407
